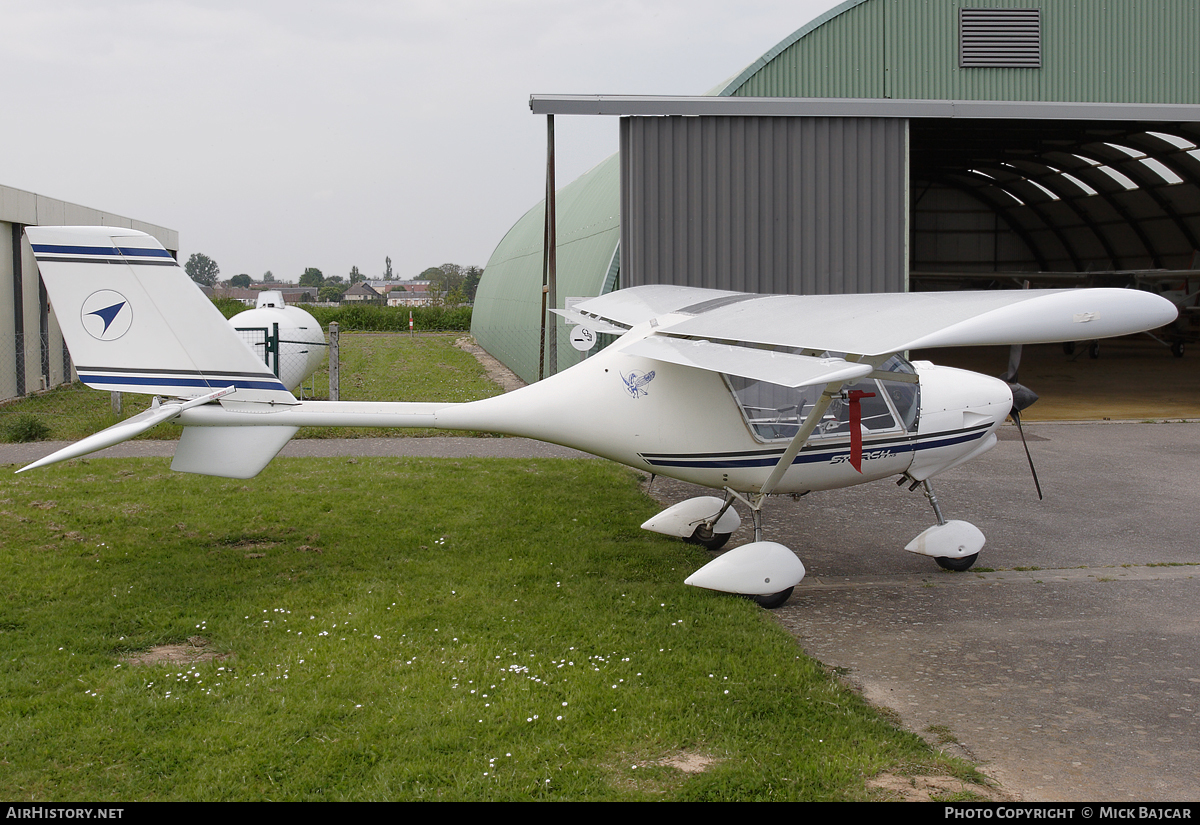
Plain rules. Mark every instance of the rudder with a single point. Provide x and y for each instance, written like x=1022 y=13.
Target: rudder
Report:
x=134 y=322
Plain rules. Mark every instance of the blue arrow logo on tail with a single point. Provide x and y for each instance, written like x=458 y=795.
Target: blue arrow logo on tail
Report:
x=108 y=314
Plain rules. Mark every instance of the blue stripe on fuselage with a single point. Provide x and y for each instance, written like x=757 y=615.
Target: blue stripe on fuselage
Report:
x=816 y=453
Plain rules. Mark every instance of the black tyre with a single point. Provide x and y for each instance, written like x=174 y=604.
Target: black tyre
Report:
x=957 y=565
x=707 y=539
x=1177 y=349
x=773 y=600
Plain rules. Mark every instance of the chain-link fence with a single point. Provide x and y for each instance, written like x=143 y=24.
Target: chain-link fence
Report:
x=33 y=362
x=37 y=398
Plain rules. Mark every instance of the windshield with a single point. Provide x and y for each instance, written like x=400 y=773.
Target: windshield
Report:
x=774 y=412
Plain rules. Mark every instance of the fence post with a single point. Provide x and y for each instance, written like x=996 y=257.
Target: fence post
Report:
x=334 y=377
x=115 y=400
x=273 y=346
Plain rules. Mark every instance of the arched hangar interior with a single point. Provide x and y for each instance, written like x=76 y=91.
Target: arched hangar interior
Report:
x=1028 y=196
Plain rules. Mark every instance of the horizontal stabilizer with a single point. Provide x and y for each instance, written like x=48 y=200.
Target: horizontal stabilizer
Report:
x=115 y=434
x=125 y=430
x=785 y=369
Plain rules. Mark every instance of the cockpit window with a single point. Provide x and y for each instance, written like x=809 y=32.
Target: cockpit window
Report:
x=774 y=412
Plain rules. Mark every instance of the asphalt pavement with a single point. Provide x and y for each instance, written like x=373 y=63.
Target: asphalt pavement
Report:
x=1072 y=672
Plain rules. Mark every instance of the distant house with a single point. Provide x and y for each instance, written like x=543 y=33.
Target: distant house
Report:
x=237 y=293
x=362 y=292
x=295 y=294
x=414 y=294
x=249 y=297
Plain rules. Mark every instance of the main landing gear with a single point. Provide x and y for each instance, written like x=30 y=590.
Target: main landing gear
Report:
x=766 y=571
x=763 y=571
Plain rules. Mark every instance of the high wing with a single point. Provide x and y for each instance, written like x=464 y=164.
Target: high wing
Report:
x=627 y=308
x=879 y=324
x=781 y=368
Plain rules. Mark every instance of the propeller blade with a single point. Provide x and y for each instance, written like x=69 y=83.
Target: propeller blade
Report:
x=1016 y=417
x=1014 y=362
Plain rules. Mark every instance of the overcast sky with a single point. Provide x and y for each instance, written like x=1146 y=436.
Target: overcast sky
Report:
x=280 y=135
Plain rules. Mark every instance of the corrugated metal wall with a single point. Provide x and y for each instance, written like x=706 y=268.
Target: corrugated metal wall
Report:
x=778 y=205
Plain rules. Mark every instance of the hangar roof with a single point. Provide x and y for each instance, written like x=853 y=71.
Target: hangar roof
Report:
x=1089 y=50
x=32 y=209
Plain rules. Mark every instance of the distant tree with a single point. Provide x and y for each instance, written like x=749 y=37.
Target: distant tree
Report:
x=312 y=277
x=387 y=272
x=268 y=278
x=335 y=279
x=471 y=276
x=431 y=274
x=453 y=273
x=446 y=279
x=435 y=293
x=331 y=292
x=202 y=269
x=356 y=276
x=241 y=281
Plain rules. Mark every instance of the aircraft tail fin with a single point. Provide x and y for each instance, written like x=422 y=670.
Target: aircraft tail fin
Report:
x=134 y=322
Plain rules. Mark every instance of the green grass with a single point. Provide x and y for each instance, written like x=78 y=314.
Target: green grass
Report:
x=397 y=367
x=374 y=367
x=397 y=629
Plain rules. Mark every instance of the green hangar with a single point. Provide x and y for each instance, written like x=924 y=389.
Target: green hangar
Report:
x=884 y=142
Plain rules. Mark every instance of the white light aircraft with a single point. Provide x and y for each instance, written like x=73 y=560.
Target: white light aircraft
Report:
x=752 y=395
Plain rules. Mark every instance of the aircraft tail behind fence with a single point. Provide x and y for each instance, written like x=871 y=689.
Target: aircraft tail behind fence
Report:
x=134 y=322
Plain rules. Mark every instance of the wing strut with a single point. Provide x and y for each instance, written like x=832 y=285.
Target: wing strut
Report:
x=801 y=438
x=832 y=391
x=755 y=502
